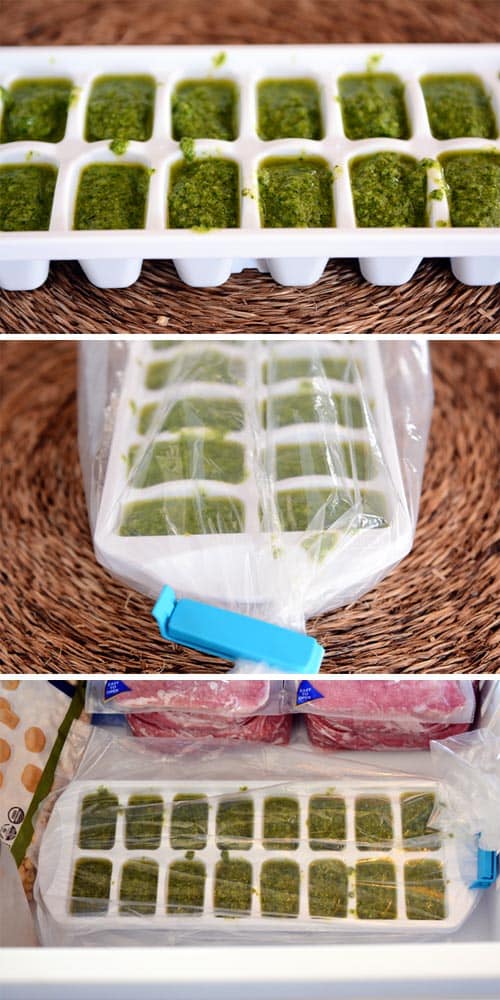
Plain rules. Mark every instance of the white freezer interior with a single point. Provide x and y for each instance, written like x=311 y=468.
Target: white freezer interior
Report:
x=464 y=965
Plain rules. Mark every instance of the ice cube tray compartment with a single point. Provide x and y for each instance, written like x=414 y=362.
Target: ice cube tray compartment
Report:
x=292 y=256
x=247 y=559
x=61 y=854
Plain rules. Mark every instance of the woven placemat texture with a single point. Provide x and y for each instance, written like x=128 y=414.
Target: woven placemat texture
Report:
x=342 y=302
x=63 y=613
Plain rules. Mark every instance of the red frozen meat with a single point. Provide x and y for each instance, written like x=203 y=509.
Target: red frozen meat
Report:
x=219 y=697
x=171 y=725
x=388 y=714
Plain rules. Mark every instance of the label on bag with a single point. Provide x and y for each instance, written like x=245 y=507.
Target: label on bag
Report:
x=112 y=688
x=306 y=692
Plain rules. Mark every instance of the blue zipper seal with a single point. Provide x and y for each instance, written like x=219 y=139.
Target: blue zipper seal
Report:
x=488 y=867
x=232 y=636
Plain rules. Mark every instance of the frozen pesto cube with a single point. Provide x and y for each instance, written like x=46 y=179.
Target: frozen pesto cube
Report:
x=376 y=893
x=373 y=823
x=234 y=824
x=326 y=823
x=99 y=812
x=91 y=887
x=373 y=105
x=295 y=192
x=190 y=515
x=281 y=369
x=26 y=196
x=281 y=823
x=143 y=822
x=315 y=458
x=425 y=890
x=233 y=887
x=473 y=187
x=112 y=196
x=205 y=109
x=186 y=887
x=120 y=107
x=279 y=889
x=204 y=194
x=308 y=406
x=288 y=109
x=189 y=458
x=458 y=106
x=202 y=366
x=189 y=823
x=36 y=109
x=416 y=810
x=139 y=882
x=389 y=190
x=328 y=892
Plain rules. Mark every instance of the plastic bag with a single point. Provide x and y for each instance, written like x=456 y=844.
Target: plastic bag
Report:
x=277 y=479
x=271 y=843
x=386 y=713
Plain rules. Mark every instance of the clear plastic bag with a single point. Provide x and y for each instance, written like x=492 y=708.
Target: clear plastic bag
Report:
x=278 y=479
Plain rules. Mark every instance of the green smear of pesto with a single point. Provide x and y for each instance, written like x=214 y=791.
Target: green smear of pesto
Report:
x=233 y=887
x=388 y=189
x=308 y=407
x=297 y=509
x=98 y=821
x=120 y=107
x=288 y=109
x=219 y=60
x=36 y=110
x=189 y=823
x=327 y=889
x=424 y=890
x=373 y=823
x=91 y=887
x=205 y=109
x=223 y=415
x=234 y=824
x=112 y=197
x=319 y=544
x=473 y=181
x=416 y=809
x=189 y=458
x=143 y=822
x=314 y=459
x=373 y=105
x=138 y=887
x=281 y=369
x=198 y=515
x=458 y=106
x=295 y=192
x=280 y=888
x=186 y=887
x=281 y=824
x=26 y=196
x=207 y=366
x=204 y=194
x=376 y=890
x=326 y=823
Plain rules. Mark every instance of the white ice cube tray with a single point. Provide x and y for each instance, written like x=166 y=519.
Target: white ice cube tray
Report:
x=246 y=568
x=60 y=852
x=113 y=259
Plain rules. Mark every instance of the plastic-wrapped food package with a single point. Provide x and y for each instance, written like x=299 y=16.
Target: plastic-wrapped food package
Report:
x=131 y=858
x=385 y=714
x=274 y=479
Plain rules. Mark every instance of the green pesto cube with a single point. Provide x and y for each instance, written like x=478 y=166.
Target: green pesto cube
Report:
x=458 y=106
x=313 y=458
x=191 y=515
x=326 y=823
x=188 y=458
x=424 y=890
x=204 y=194
x=281 y=824
x=233 y=887
x=36 y=110
x=143 y=822
x=205 y=109
x=91 y=887
x=309 y=406
x=376 y=895
x=280 y=888
x=26 y=196
x=186 y=887
x=120 y=107
x=288 y=109
x=373 y=823
x=112 y=196
x=189 y=823
x=205 y=366
x=389 y=189
x=295 y=192
x=138 y=887
x=328 y=889
x=99 y=813
x=234 y=824
x=473 y=186
x=373 y=105
x=221 y=415
x=416 y=810
x=281 y=369
x=319 y=509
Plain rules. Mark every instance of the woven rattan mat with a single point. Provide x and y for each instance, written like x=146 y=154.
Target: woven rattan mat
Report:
x=435 y=612
x=342 y=302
